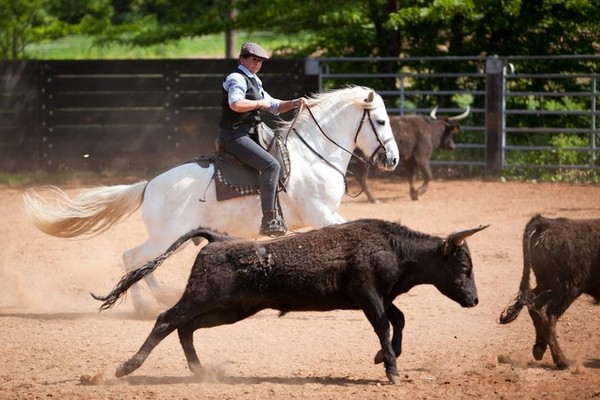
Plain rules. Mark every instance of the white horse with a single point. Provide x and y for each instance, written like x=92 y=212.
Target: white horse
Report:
x=320 y=142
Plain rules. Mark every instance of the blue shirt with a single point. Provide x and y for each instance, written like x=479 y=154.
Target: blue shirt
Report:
x=236 y=88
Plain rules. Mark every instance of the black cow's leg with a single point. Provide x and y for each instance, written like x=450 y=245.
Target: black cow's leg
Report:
x=423 y=165
x=396 y=317
x=541 y=332
x=554 y=311
x=537 y=312
x=186 y=338
x=162 y=328
x=557 y=354
x=410 y=175
x=361 y=176
x=181 y=314
x=372 y=306
x=208 y=318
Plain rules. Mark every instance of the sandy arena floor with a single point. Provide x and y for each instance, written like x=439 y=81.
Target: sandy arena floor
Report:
x=52 y=332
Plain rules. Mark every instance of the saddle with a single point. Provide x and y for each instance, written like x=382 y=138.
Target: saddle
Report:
x=234 y=178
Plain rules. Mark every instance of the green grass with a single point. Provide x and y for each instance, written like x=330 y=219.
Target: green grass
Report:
x=83 y=48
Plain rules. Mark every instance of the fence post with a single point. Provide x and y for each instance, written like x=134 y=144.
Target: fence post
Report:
x=493 y=115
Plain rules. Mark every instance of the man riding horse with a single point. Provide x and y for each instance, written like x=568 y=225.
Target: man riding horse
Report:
x=242 y=99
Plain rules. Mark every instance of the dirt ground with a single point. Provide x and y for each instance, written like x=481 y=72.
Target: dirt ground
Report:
x=52 y=333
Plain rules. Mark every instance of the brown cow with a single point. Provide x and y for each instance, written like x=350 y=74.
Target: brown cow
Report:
x=418 y=136
x=565 y=257
x=360 y=265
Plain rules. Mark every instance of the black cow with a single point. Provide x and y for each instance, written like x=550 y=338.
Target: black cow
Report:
x=565 y=257
x=359 y=265
x=417 y=137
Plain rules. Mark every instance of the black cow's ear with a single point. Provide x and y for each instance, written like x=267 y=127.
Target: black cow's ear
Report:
x=447 y=247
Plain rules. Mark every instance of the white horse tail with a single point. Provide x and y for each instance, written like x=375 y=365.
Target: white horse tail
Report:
x=136 y=275
x=90 y=213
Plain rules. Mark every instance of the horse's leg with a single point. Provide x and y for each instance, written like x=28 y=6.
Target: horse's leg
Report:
x=133 y=259
x=170 y=209
x=136 y=258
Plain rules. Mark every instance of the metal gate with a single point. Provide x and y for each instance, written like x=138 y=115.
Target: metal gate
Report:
x=526 y=112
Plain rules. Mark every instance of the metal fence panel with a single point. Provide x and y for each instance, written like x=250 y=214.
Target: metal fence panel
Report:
x=505 y=124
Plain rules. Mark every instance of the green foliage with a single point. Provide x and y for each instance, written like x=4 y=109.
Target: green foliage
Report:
x=26 y=22
x=77 y=47
x=359 y=28
x=563 y=160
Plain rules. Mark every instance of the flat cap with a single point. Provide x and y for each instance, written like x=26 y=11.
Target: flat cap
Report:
x=254 y=49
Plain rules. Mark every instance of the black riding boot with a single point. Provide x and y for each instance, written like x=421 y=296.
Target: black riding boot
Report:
x=272 y=225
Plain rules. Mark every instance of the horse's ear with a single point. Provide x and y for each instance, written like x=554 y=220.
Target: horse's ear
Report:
x=370 y=97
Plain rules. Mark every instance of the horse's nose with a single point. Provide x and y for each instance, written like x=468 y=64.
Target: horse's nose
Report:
x=391 y=162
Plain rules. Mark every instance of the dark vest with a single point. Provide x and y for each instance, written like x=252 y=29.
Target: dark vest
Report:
x=235 y=121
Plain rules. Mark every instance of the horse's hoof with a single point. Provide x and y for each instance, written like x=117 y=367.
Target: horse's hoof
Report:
x=378 y=357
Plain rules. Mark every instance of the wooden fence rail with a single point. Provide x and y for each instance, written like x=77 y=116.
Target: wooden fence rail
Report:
x=142 y=115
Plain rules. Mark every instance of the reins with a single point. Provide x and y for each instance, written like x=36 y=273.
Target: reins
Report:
x=366 y=113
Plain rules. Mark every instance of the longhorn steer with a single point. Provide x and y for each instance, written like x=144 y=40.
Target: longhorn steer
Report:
x=359 y=265
x=565 y=257
x=417 y=137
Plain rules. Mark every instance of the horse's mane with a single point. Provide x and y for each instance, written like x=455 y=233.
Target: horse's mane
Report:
x=318 y=102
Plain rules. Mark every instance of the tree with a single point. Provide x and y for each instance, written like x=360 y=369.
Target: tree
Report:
x=22 y=22
x=29 y=21
x=362 y=28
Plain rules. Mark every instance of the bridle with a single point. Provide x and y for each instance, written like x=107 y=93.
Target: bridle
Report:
x=370 y=161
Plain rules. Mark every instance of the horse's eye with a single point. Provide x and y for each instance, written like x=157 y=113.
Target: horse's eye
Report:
x=381 y=122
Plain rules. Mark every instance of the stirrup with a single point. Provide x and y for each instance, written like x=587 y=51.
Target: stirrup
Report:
x=274 y=227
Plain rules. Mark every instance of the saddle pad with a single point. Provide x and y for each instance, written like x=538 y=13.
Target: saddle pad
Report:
x=226 y=191
x=235 y=173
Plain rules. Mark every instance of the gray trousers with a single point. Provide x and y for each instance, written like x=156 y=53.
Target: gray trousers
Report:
x=241 y=145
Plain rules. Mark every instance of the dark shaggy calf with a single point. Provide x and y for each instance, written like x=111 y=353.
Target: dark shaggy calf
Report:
x=565 y=257
x=360 y=265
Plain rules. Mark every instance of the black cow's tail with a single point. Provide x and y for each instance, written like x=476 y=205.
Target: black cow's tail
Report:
x=511 y=312
x=134 y=276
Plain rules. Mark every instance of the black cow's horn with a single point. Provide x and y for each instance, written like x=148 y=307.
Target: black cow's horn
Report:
x=460 y=116
x=458 y=238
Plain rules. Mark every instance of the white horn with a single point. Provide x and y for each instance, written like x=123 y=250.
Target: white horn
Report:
x=461 y=116
x=433 y=112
